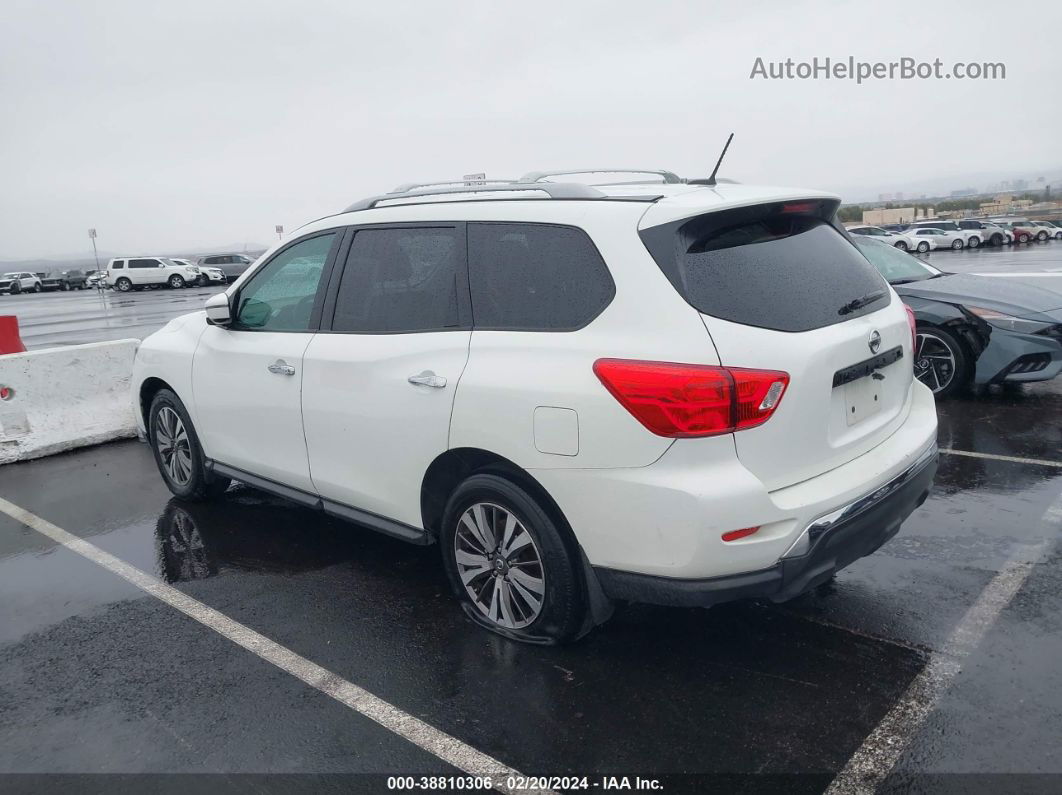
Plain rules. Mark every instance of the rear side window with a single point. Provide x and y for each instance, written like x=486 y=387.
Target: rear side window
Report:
x=403 y=279
x=118 y=264
x=143 y=263
x=535 y=277
x=761 y=267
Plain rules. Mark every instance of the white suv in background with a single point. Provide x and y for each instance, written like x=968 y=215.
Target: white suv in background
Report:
x=20 y=282
x=971 y=238
x=671 y=392
x=128 y=273
x=884 y=235
x=207 y=276
x=991 y=234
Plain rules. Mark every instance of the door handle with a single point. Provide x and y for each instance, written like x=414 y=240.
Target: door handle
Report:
x=280 y=367
x=428 y=378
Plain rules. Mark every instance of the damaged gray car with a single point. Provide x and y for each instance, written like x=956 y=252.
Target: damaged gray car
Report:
x=973 y=329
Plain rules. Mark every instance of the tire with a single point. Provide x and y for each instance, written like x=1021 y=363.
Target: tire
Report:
x=203 y=281
x=1041 y=236
x=900 y=244
x=16 y=288
x=63 y=286
x=176 y=281
x=997 y=240
x=923 y=247
x=1023 y=238
x=935 y=342
x=973 y=242
x=178 y=453
x=123 y=285
x=487 y=501
x=956 y=245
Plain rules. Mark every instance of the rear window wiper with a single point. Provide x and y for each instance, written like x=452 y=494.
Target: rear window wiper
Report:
x=859 y=303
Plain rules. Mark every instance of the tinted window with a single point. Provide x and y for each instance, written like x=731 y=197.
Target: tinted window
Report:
x=782 y=272
x=212 y=261
x=143 y=263
x=402 y=279
x=280 y=296
x=118 y=264
x=535 y=277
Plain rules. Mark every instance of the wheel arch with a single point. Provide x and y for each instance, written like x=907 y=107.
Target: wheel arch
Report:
x=447 y=471
x=148 y=389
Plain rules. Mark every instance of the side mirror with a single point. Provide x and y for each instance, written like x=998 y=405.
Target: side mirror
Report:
x=219 y=313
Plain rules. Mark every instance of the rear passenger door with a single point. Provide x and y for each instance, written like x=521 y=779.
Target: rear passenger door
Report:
x=380 y=377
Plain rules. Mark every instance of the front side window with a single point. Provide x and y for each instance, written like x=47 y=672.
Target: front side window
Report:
x=535 y=277
x=280 y=297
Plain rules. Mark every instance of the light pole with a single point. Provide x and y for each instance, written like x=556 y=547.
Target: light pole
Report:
x=92 y=235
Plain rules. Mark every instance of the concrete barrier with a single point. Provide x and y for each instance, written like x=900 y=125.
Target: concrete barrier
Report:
x=61 y=398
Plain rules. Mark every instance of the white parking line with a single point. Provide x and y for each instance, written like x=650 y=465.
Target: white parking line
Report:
x=1056 y=273
x=449 y=749
x=871 y=763
x=1043 y=462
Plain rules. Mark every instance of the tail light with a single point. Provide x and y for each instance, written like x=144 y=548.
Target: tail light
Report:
x=687 y=400
x=913 y=325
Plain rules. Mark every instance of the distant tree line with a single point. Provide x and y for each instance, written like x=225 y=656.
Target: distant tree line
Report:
x=854 y=212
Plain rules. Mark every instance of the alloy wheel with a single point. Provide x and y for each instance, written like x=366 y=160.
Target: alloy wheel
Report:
x=499 y=565
x=171 y=440
x=934 y=361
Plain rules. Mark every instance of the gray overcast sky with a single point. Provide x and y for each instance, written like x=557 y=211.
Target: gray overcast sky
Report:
x=170 y=125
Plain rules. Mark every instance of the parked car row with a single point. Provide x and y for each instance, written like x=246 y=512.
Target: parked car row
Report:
x=929 y=235
x=135 y=273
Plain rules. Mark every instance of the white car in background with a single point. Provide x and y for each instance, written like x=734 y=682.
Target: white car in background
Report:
x=971 y=238
x=20 y=282
x=134 y=273
x=926 y=239
x=207 y=276
x=900 y=240
x=991 y=234
x=1044 y=230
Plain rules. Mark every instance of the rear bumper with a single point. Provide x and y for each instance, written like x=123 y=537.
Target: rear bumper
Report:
x=827 y=545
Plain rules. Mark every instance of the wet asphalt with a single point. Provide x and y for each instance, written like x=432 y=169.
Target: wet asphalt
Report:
x=97 y=677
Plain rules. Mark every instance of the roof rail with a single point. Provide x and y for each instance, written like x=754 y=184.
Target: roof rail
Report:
x=669 y=178
x=554 y=190
x=471 y=183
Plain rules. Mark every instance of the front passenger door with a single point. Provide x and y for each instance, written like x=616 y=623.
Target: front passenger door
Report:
x=248 y=376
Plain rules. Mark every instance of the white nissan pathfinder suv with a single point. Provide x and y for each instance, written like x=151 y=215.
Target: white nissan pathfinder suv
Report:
x=678 y=392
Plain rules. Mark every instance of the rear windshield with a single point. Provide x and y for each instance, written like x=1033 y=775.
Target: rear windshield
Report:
x=760 y=267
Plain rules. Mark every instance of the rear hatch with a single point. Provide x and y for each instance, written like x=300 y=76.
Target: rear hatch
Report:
x=779 y=287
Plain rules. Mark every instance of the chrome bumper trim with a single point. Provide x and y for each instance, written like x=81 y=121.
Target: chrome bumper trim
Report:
x=823 y=524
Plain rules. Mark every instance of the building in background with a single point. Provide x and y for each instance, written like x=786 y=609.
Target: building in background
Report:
x=896 y=215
